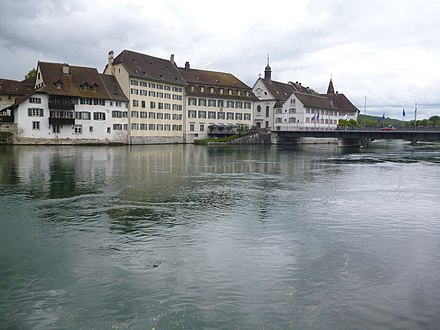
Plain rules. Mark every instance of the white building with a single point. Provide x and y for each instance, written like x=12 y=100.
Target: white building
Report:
x=291 y=106
x=71 y=105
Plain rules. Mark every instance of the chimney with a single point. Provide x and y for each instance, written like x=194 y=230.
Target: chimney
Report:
x=110 y=57
x=172 y=59
x=65 y=69
x=186 y=66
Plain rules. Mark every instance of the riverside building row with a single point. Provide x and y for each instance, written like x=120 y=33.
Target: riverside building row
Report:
x=141 y=99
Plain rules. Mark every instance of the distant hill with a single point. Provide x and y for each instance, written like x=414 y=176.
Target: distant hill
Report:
x=378 y=121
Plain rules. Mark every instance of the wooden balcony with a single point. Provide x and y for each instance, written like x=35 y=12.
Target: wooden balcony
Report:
x=61 y=105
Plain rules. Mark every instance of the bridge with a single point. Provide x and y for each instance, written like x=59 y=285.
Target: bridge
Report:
x=354 y=136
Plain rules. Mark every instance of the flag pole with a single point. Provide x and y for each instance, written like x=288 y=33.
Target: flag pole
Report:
x=415 y=117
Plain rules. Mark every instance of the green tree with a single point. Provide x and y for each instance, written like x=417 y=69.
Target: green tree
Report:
x=31 y=73
x=435 y=120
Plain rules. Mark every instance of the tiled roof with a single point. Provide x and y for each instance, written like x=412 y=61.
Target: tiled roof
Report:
x=12 y=87
x=342 y=102
x=197 y=78
x=315 y=101
x=279 y=90
x=72 y=82
x=149 y=67
x=113 y=88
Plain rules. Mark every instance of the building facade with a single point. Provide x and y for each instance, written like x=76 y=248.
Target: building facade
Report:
x=155 y=89
x=216 y=104
x=71 y=105
x=291 y=106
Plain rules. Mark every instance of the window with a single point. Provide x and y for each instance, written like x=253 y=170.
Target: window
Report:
x=134 y=91
x=192 y=101
x=134 y=114
x=91 y=129
x=134 y=82
x=247 y=116
x=84 y=115
x=230 y=91
x=159 y=127
x=152 y=127
x=151 y=85
x=117 y=127
x=278 y=120
x=221 y=115
x=167 y=88
x=258 y=108
x=152 y=105
x=239 y=93
x=34 y=100
x=230 y=115
x=212 y=103
x=167 y=116
x=202 y=102
x=267 y=111
x=152 y=115
x=99 y=115
x=159 y=94
x=278 y=111
x=159 y=86
x=202 y=89
x=99 y=102
x=191 y=127
x=143 y=104
x=135 y=103
x=202 y=127
x=247 y=105
x=292 y=110
x=211 y=90
x=238 y=116
x=239 y=105
x=56 y=128
x=159 y=115
x=167 y=95
x=292 y=120
x=152 y=93
x=221 y=103
x=229 y=104
x=35 y=112
x=211 y=114
x=222 y=91
x=78 y=129
x=135 y=126
x=192 y=113
x=109 y=130
x=143 y=127
x=202 y=114
x=160 y=105
x=143 y=114
x=36 y=125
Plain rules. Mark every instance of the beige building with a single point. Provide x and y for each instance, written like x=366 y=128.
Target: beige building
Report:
x=155 y=89
x=216 y=103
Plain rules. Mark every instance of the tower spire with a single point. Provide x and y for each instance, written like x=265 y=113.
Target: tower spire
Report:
x=268 y=70
x=330 y=89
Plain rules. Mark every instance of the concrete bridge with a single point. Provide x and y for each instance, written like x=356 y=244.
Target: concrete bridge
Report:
x=357 y=135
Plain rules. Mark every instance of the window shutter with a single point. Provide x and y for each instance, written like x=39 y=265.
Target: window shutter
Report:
x=41 y=112
x=29 y=112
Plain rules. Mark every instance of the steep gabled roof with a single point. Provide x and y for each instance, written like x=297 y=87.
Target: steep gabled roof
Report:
x=315 y=101
x=279 y=90
x=71 y=83
x=342 y=102
x=113 y=88
x=149 y=67
x=12 y=87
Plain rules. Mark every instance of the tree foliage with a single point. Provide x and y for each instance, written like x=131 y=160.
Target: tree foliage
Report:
x=31 y=73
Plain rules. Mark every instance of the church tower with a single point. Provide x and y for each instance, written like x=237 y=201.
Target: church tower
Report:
x=268 y=70
x=330 y=89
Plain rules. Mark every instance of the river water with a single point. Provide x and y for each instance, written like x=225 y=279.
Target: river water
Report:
x=220 y=237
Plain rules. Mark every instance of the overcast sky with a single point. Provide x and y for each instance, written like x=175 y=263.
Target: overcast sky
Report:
x=386 y=53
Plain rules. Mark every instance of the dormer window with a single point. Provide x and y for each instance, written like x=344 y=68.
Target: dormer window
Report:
x=248 y=94
x=58 y=83
x=192 y=88
x=239 y=93
x=95 y=87
x=84 y=86
x=230 y=91
x=202 y=89
x=211 y=90
x=221 y=91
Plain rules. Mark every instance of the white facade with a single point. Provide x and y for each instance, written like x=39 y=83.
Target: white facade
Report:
x=90 y=121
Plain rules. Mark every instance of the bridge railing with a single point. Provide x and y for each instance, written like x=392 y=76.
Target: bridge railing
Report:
x=358 y=129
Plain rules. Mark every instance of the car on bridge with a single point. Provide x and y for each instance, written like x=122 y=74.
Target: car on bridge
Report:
x=388 y=128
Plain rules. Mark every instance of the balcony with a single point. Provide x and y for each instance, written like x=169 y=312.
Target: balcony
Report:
x=61 y=121
x=6 y=119
x=61 y=105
